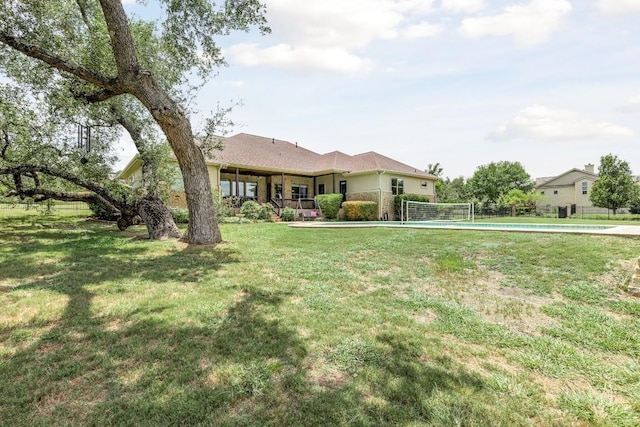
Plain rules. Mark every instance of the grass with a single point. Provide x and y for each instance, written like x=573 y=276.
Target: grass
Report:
x=315 y=327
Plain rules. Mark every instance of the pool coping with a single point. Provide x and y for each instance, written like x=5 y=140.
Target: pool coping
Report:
x=611 y=230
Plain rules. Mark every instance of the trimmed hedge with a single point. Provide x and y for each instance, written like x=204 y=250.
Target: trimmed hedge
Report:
x=329 y=204
x=360 y=211
x=397 y=201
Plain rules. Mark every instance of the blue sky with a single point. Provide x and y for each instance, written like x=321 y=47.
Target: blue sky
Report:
x=552 y=84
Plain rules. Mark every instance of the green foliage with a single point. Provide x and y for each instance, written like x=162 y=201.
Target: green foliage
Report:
x=180 y=216
x=119 y=191
x=329 y=204
x=251 y=210
x=255 y=211
x=223 y=206
x=434 y=169
x=360 y=210
x=266 y=212
x=615 y=186
x=634 y=201
x=397 y=200
x=519 y=199
x=288 y=214
x=451 y=190
x=490 y=182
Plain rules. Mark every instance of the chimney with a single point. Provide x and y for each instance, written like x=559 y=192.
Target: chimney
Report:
x=589 y=168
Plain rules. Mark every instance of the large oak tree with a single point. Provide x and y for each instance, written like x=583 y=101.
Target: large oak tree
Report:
x=146 y=61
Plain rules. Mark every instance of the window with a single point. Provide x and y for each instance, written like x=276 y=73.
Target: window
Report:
x=298 y=191
x=320 y=188
x=397 y=186
x=225 y=187
x=251 y=189
x=584 y=187
x=278 y=188
x=245 y=189
x=423 y=184
x=542 y=192
x=555 y=191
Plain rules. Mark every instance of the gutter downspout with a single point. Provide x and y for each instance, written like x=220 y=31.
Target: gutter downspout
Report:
x=380 y=173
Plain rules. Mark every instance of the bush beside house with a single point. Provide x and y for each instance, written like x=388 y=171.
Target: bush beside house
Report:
x=329 y=204
x=360 y=211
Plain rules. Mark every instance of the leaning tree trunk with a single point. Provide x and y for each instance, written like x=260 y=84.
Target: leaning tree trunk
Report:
x=203 y=225
x=158 y=219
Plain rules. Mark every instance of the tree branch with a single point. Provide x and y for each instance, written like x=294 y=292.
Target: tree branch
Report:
x=122 y=43
x=84 y=73
x=19 y=170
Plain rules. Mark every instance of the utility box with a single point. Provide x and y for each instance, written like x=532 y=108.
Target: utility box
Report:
x=562 y=211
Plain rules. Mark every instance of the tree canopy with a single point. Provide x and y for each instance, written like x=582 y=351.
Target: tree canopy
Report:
x=490 y=182
x=615 y=186
x=95 y=53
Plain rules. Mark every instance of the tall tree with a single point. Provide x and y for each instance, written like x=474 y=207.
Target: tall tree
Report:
x=451 y=190
x=434 y=169
x=63 y=35
x=615 y=186
x=490 y=182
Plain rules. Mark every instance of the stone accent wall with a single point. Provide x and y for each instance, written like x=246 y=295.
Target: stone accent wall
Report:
x=177 y=199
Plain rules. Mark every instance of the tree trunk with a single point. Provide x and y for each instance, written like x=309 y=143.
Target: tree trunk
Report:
x=203 y=225
x=158 y=219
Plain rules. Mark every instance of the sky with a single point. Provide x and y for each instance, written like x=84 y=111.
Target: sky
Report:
x=552 y=84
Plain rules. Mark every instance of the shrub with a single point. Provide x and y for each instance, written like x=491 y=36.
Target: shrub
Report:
x=266 y=212
x=397 y=201
x=288 y=214
x=329 y=204
x=223 y=206
x=180 y=216
x=360 y=211
x=250 y=210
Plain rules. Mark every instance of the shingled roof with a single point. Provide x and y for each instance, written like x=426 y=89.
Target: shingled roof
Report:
x=261 y=153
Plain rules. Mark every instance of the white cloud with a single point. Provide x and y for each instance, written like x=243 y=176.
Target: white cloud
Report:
x=529 y=24
x=325 y=35
x=422 y=30
x=632 y=106
x=462 y=6
x=618 y=6
x=300 y=59
x=540 y=122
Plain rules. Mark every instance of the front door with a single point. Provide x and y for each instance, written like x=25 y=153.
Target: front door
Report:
x=343 y=190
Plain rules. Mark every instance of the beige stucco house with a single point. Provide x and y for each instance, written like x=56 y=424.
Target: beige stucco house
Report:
x=570 y=188
x=281 y=173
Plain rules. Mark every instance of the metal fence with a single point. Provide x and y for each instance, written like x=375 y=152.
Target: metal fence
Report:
x=56 y=206
x=574 y=211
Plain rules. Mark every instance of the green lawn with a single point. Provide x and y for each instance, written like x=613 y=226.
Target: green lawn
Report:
x=315 y=327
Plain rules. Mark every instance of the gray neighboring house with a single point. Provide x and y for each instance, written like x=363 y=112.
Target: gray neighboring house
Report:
x=569 y=188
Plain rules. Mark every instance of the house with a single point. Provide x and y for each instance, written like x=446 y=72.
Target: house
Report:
x=282 y=173
x=570 y=188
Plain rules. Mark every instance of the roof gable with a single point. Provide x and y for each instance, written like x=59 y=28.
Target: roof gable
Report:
x=569 y=177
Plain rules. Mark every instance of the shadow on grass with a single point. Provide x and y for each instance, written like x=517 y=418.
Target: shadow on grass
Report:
x=244 y=365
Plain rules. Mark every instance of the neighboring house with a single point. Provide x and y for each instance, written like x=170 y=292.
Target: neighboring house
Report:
x=281 y=173
x=570 y=188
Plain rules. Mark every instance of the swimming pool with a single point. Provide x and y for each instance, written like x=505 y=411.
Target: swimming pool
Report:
x=524 y=227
